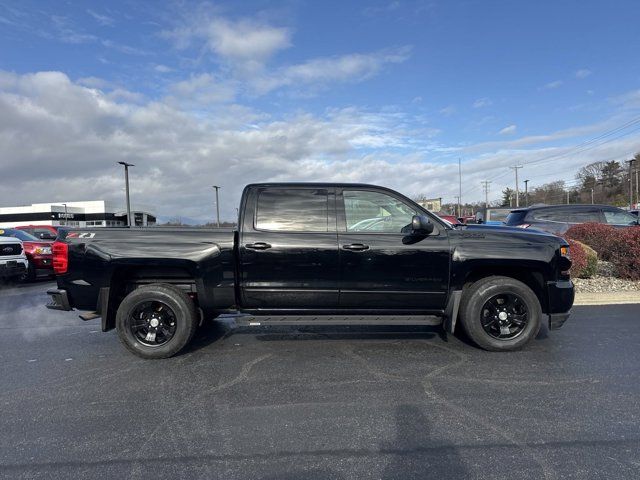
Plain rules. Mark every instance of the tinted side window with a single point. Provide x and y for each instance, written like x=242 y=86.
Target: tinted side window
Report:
x=619 y=218
x=552 y=215
x=375 y=212
x=584 y=216
x=293 y=210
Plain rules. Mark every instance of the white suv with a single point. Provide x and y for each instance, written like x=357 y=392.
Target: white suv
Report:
x=13 y=261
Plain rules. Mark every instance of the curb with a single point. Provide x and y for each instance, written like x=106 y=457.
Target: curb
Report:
x=607 y=298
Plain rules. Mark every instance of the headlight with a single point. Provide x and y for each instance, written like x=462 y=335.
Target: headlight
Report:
x=43 y=250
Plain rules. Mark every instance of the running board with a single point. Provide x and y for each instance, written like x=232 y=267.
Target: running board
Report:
x=261 y=320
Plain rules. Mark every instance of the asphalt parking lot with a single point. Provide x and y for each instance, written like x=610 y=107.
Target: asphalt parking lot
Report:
x=317 y=403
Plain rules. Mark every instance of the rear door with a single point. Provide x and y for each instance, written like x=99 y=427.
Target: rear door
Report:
x=288 y=249
x=381 y=265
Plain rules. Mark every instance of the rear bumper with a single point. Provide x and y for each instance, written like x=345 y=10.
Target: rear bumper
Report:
x=561 y=295
x=59 y=300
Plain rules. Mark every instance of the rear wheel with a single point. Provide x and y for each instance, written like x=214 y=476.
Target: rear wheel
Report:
x=500 y=313
x=156 y=321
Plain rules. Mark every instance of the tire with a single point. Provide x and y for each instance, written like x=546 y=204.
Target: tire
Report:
x=156 y=321
x=481 y=300
x=28 y=276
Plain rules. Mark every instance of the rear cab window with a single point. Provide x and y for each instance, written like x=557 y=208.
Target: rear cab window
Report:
x=293 y=210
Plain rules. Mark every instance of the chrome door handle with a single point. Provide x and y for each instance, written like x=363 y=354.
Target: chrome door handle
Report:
x=258 y=246
x=356 y=247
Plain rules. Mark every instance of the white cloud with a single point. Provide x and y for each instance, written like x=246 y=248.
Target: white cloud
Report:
x=448 y=110
x=321 y=71
x=246 y=39
x=553 y=85
x=482 y=102
x=510 y=130
x=246 y=43
x=162 y=68
x=582 y=73
x=102 y=19
x=202 y=90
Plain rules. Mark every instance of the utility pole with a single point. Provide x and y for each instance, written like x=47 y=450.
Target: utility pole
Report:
x=592 y=202
x=637 y=194
x=567 y=197
x=126 y=181
x=66 y=215
x=630 y=162
x=485 y=186
x=459 y=187
x=526 y=193
x=516 y=168
x=217 y=204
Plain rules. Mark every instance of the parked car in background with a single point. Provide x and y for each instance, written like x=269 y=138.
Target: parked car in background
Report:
x=43 y=232
x=558 y=219
x=452 y=219
x=38 y=253
x=13 y=261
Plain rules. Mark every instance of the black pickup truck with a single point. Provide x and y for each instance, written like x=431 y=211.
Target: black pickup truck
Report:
x=315 y=253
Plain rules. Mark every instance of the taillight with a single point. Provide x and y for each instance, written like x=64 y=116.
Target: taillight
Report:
x=60 y=257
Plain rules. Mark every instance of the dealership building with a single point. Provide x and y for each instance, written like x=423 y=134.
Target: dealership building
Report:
x=95 y=213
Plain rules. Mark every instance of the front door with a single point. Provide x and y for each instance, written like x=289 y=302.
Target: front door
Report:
x=383 y=266
x=289 y=250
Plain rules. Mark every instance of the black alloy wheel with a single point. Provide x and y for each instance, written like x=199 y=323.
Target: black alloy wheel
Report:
x=504 y=316
x=152 y=323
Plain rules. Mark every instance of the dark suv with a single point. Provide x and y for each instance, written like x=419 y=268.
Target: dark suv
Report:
x=558 y=219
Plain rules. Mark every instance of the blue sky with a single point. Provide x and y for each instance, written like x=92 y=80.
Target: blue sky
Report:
x=389 y=92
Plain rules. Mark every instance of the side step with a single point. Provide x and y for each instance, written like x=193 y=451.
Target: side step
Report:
x=261 y=320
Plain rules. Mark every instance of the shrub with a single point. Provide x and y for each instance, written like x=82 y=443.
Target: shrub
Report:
x=625 y=253
x=597 y=235
x=584 y=260
x=620 y=246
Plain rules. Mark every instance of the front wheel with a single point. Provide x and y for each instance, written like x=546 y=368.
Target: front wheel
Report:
x=156 y=321
x=500 y=313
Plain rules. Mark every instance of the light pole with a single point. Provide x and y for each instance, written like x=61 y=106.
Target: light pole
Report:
x=526 y=193
x=126 y=181
x=217 y=204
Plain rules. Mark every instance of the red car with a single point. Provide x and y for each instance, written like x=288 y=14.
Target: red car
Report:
x=452 y=219
x=43 y=232
x=38 y=253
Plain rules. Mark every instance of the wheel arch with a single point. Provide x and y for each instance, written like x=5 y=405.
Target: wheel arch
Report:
x=124 y=278
x=532 y=277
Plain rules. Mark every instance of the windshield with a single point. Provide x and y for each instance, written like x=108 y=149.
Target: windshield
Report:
x=24 y=236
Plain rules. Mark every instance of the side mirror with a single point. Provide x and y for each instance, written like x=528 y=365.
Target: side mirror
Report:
x=420 y=225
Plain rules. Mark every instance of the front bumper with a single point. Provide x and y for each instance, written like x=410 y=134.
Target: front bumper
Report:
x=42 y=262
x=13 y=268
x=561 y=295
x=59 y=300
